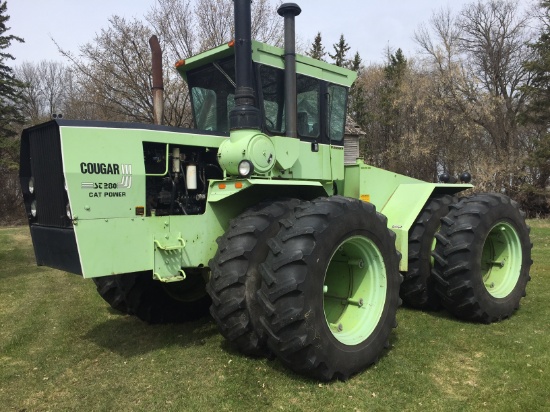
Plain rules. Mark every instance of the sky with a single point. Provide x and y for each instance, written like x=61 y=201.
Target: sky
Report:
x=369 y=27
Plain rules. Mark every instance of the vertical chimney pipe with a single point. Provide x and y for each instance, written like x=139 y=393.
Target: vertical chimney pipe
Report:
x=158 y=82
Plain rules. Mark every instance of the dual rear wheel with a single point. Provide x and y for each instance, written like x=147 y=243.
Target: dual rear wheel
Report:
x=470 y=256
x=235 y=275
x=323 y=291
x=482 y=258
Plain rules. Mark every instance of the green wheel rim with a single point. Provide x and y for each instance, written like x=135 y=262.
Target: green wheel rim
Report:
x=434 y=244
x=354 y=290
x=501 y=260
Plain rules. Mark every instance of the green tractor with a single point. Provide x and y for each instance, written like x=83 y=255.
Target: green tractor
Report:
x=256 y=216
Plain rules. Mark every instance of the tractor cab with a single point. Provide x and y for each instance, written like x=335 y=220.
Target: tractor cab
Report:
x=321 y=95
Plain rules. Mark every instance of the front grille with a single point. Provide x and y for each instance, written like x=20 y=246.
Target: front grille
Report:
x=41 y=159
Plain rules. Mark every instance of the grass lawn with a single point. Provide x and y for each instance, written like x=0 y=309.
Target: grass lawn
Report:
x=63 y=348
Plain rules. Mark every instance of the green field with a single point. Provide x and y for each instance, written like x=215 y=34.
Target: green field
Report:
x=62 y=348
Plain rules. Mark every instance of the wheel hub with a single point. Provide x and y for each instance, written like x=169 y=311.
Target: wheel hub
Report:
x=354 y=291
x=501 y=260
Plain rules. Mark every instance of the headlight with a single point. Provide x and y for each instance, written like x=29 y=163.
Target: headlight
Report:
x=31 y=185
x=68 y=211
x=245 y=168
x=65 y=185
x=33 y=208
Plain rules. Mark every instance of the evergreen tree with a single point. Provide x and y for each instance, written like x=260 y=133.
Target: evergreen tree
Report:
x=355 y=63
x=10 y=94
x=317 y=50
x=394 y=72
x=395 y=68
x=340 y=50
x=357 y=104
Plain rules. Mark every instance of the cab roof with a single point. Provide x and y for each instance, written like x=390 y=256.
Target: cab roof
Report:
x=272 y=56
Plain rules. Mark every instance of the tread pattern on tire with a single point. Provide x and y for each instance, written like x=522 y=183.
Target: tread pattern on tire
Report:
x=286 y=310
x=235 y=278
x=417 y=289
x=457 y=272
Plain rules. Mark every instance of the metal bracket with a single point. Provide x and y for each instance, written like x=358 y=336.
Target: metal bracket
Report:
x=168 y=257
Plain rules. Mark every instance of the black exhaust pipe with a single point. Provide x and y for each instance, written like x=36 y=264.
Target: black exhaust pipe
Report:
x=289 y=11
x=245 y=114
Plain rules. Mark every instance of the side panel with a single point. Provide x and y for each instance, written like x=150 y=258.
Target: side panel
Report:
x=106 y=184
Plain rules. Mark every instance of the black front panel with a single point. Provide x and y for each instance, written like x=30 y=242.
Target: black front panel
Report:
x=56 y=248
x=52 y=233
x=41 y=160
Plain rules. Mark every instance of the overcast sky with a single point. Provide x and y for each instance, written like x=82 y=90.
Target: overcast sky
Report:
x=368 y=26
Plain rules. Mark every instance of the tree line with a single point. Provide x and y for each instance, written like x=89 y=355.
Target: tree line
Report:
x=476 y=98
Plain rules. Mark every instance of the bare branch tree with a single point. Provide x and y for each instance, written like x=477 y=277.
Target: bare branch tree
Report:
x=46 y=90
x=115 y=71
x=173 y=21
x=477 y=61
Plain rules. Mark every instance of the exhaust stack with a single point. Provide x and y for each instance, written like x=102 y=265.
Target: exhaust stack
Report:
x=245 y=114
x=158 y=83
x=289 y=11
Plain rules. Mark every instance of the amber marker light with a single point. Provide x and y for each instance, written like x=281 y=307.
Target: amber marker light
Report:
x=222 y=186
x=231 y=43
x=180 y=63
x=239 y=185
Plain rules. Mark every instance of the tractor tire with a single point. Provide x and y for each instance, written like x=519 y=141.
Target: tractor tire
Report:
x=418 y=289
x=110 y=292
x=235 y=278
x=482 y=258
x=155 y=302
x=330 y=288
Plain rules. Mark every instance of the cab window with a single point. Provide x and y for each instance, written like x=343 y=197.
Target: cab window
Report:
x=336 y=112
x=212 y=90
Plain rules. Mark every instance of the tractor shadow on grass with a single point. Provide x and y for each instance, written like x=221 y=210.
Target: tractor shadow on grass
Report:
x=128 y=336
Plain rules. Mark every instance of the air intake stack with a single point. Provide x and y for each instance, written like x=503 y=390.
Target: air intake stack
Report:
x=289 y=11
